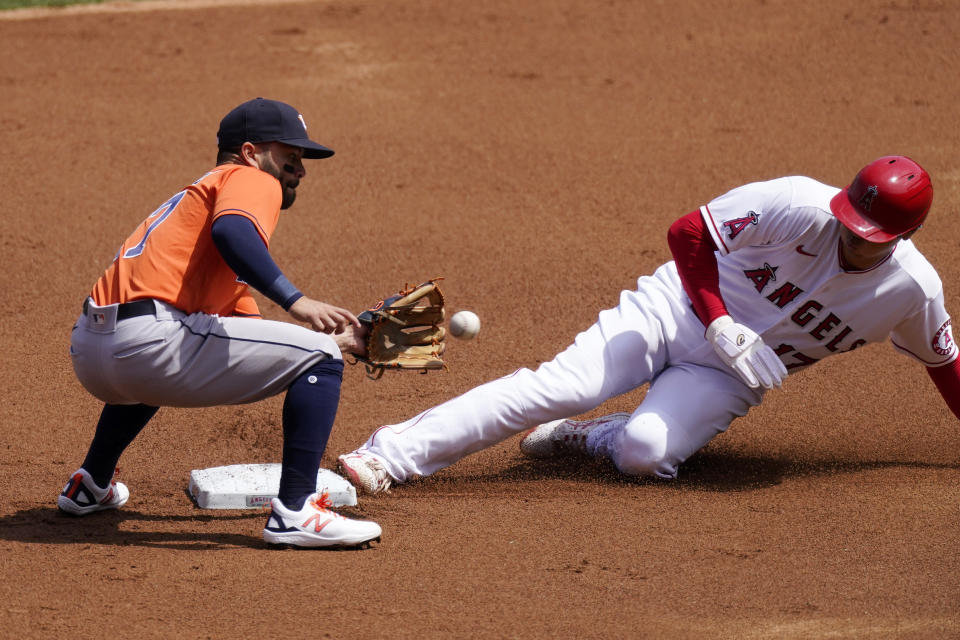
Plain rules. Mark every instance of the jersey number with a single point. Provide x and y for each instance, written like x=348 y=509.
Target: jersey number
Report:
x=161 y=214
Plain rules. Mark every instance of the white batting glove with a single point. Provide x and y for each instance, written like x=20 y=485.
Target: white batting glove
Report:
x=745 y=352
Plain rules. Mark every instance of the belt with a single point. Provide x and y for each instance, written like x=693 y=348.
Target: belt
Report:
x=127 y=310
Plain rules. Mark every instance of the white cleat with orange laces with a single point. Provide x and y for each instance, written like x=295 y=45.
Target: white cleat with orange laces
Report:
x=315 y=525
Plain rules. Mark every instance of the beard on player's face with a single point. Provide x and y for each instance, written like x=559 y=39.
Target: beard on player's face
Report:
x=288 y=183
x=289 y=195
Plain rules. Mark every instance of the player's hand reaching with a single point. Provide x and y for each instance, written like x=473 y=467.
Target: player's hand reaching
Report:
x=352 y=340
x=745 y=352
x=323 y=317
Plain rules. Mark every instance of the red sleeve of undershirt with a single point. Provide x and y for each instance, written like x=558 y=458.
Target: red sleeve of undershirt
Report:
x=693 y=251
x=947 y=379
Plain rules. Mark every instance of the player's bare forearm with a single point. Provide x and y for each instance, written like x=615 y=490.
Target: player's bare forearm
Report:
x=352 y=340
x=322 y=316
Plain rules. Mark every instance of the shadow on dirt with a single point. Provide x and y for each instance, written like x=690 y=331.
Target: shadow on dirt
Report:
x=124 y=527
x=718 y=472
x=200 y=531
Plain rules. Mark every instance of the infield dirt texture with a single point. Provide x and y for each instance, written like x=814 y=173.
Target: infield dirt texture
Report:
x=534 y=154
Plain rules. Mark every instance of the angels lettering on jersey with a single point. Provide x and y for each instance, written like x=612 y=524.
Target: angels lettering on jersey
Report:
x=780 y=272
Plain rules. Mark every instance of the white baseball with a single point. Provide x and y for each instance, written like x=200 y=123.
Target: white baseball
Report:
x=464 y=325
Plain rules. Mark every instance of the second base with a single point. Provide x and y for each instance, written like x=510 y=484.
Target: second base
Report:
x=252 y=486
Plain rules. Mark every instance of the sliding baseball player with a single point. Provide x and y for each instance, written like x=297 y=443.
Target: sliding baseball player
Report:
x=767 y=279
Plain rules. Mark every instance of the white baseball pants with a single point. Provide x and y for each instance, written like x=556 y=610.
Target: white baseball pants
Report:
x=652 y=336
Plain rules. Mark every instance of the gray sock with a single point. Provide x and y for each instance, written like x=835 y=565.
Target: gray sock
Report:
x=599 y=440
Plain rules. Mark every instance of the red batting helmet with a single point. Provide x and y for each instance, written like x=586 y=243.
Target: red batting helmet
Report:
x=889 y=197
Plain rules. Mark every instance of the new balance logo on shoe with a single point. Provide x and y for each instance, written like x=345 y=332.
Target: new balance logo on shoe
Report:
x=317 y=524
x=320 y=526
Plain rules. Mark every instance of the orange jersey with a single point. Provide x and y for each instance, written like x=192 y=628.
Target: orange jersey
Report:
x=171 y=255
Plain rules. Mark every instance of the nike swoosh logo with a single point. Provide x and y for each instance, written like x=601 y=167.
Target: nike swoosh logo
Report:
x=804 y=253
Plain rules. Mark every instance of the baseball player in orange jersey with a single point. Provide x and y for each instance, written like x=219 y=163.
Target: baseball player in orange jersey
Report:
x=768 y=278
x=172 y=323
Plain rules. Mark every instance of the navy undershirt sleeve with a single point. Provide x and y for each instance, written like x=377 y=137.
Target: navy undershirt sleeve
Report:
x=243 y=250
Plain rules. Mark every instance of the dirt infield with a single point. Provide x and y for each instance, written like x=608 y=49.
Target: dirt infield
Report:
x=534 y=154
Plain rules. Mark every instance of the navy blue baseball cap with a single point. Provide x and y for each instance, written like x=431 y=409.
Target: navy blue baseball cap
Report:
x=262 y=120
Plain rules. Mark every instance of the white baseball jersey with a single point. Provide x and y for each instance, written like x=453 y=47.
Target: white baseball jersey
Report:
x=780 y=274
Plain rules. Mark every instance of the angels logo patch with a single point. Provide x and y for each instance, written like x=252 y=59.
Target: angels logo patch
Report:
x=866 y=200
x=943 y=342
x=737 y=225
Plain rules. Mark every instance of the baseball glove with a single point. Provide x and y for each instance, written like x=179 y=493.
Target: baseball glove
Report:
x=404 y=332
